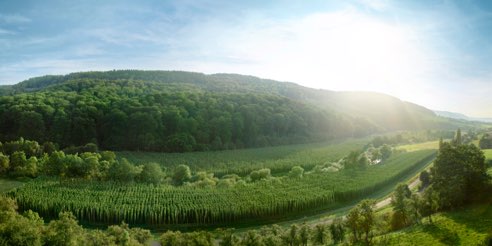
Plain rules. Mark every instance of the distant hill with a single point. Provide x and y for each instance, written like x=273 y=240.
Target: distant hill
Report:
x=459 y=116
x=186 y=111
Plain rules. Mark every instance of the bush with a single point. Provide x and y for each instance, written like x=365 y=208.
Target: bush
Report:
x=181 y=174
x=4 y=163
x=260 y=174
x=226 y=183
x=124 y=171
x=296 y=172
x=152 y=173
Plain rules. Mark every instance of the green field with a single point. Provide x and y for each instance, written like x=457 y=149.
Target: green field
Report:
x=243 y=161
x=488 y=154
x=420 y=146
x=273 y=199
x=469 y=226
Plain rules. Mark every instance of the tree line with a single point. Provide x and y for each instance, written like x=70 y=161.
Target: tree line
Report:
x=28 y=158
x=457 y=178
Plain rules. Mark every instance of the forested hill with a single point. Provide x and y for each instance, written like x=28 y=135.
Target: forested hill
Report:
x=183 y=111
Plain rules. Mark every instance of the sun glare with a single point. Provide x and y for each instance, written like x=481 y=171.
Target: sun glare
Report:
x=359 y=53
x=338 y=51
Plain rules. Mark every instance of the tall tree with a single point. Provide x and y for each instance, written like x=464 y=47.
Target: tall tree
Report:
x=457 y=138
x=337 y=231
x=458 y=173
x=399 y=201
x=304 y=233
x=64 y=231
x=361 y=221
x=320 y=234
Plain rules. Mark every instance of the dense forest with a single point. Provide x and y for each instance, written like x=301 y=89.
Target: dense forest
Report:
x=136 y=116
x=182 y=111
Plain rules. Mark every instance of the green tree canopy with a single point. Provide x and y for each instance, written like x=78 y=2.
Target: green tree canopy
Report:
x=152 y=173
x=458 y=174
x=182 y=174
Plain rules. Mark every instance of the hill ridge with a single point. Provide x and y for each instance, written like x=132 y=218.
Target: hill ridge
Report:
x=187 y=111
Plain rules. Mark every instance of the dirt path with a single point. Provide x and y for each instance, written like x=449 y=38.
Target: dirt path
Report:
x=387 y=201
x=378 y=205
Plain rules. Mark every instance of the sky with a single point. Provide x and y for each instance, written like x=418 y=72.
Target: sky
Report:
x=433 y=53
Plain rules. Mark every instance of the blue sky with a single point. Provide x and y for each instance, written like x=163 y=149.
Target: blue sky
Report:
x=434 y=53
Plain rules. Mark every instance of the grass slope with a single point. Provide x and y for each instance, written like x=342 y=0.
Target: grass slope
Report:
x=469 y=226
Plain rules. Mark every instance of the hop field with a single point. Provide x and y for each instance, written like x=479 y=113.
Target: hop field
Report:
x=242 y=161
x=109 y=202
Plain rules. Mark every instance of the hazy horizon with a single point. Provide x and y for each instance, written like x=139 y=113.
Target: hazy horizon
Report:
x=432 y=54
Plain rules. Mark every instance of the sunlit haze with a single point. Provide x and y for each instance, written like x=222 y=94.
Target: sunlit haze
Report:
x=434 y=54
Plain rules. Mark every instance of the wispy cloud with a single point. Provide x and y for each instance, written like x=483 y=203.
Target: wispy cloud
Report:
x=13 y=19
x=6 y=32
x=117 y=36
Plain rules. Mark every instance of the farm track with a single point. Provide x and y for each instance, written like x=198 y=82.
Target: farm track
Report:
x=387 y=201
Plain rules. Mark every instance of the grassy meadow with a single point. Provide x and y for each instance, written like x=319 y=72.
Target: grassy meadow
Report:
x=488 y=154
x=468 y=226
x=420 y=146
